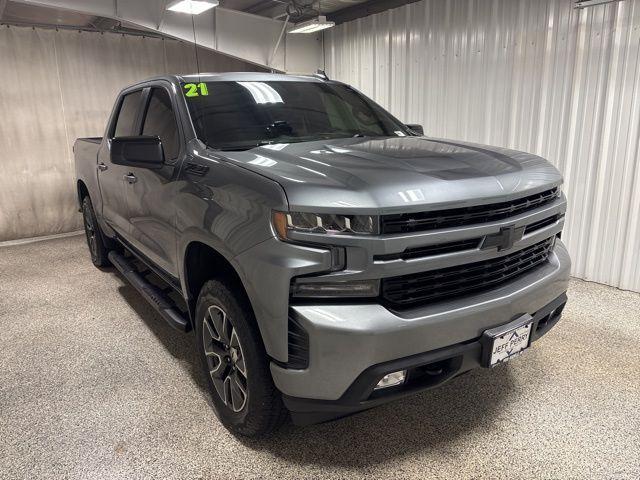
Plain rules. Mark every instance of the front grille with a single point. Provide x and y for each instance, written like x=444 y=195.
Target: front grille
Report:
x=438 y=249
x=458 y=217
x=545 y=222
x=421 y=288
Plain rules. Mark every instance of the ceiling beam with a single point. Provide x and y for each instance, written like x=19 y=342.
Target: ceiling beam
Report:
x=258 y=6
x=270 y=8
x=163 y=10
x=365 y=9
x=238 y=34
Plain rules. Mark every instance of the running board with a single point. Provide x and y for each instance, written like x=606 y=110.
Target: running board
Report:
x=164 y=305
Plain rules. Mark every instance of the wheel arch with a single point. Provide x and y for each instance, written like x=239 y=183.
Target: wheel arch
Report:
x=82 y=191
x=202 y=262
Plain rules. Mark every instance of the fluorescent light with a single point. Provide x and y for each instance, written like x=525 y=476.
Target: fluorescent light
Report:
x=591 y=3
x=193 y=7
x=313 y=25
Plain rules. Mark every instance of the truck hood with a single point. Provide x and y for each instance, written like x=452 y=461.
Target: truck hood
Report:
x=395 y=174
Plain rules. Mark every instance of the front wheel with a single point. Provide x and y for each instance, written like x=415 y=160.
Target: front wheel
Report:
x=236 y=364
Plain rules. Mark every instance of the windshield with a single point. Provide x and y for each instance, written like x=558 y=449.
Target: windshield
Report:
x=241 y=115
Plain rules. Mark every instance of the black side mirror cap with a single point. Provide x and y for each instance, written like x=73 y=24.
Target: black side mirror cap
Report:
x=415 y=128
x=140 y=151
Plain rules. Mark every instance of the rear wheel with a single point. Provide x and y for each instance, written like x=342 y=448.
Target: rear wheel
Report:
x=236 y=364
x=94 y=236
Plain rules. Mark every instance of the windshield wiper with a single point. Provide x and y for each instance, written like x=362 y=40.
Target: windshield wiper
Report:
x=285 y=139
x=248 y=146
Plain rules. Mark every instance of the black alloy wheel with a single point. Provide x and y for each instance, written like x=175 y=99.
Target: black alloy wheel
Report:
x=225 y=358
x=235 y=362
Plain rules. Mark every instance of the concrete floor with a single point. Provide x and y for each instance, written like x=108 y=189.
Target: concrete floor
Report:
x=94 y=385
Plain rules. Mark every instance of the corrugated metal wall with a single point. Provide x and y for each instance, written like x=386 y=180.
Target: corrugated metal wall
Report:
x=535 y=75
x=59 y=85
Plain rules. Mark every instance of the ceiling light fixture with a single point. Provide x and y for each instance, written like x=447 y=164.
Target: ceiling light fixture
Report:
x=192 y=7
x=591 y=3
x=313 y=25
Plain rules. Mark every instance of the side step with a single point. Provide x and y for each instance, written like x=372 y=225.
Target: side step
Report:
x=151 y=293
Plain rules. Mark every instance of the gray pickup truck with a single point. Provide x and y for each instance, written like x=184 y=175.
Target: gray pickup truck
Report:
x=328 y=257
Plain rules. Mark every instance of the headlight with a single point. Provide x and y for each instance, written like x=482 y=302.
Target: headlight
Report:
x=324 y=223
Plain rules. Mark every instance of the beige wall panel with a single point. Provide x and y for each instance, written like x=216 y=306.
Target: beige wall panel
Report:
x=179 y=57
x=94 y=68
x=214 y=62
x=58 y=86
x=34 y=168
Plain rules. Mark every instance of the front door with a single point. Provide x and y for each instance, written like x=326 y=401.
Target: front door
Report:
x=151 y=193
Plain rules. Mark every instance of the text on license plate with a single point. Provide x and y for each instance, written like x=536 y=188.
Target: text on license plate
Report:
x=510 y=344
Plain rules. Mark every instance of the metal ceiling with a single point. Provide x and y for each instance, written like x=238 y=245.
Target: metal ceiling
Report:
x=15 y=13
x=278 y=8
x=20 y=13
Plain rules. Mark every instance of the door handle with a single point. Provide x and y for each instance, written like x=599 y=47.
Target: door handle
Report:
x=131 y=178
x=102 y=167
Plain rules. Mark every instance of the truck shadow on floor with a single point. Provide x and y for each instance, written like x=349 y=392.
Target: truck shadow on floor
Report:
x=432 y=420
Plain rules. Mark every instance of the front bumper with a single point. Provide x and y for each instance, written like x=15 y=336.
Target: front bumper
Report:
x=346 y=340
x=426 y=370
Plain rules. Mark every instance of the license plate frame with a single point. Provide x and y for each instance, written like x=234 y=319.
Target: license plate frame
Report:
x=503 y=343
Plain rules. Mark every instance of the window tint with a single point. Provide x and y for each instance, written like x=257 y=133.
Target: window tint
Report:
x=161 y=121
x=127 y=115
x=243 y=114
x=349 y=112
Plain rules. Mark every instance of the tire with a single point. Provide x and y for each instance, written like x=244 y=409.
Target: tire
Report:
x=235 y=362
x=95 y=240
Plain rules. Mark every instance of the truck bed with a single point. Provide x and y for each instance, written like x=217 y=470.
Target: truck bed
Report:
x=97 y=140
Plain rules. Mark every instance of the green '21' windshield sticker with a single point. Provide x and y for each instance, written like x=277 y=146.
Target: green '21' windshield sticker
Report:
x=195 y=89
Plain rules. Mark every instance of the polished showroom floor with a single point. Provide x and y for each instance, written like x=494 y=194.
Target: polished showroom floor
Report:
x=94 y=385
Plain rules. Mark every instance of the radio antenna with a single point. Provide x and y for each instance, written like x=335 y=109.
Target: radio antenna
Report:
x=195 y=46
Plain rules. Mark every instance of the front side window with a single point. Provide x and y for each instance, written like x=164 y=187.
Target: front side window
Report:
x=160 y=121
x=244 y=114
x=125 y=123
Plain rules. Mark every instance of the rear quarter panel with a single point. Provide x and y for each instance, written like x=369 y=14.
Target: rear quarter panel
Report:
x=85 y=151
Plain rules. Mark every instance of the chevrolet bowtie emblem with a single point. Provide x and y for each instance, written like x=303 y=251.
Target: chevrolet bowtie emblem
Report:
x=505 y=239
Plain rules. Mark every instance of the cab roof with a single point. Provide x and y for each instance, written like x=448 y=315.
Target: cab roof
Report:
x=236 y=77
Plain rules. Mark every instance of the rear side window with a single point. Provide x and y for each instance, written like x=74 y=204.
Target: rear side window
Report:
x=127 y=115
x=160 y=121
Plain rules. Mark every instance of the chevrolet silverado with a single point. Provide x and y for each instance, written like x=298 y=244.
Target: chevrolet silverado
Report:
x=326 y=256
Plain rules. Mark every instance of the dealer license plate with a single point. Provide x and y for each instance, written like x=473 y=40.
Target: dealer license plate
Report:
x=509 y=344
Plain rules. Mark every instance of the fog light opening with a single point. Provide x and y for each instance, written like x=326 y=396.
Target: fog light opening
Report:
x=392 y=380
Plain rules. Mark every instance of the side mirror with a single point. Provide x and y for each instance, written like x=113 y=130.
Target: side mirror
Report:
x=140 y=151
x=415 y=128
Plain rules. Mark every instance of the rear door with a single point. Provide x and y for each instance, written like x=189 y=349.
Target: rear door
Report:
x=151 y=193
x=111 y=176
